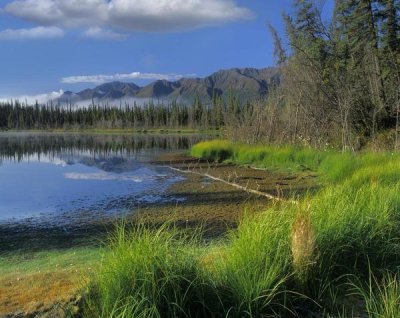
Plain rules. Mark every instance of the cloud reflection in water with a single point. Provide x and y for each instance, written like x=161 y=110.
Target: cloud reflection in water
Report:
x=102 y=176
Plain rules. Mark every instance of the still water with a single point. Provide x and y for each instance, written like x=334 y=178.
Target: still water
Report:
x=62 y=178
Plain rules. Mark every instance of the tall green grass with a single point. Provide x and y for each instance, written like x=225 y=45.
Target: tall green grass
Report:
x=332 y=166
x=147 y=273
x=356 y=225
x=381 y=295
x=251 y=271
x=278 y=157
x=338 y=167
x=165 y=273
x=290 y=260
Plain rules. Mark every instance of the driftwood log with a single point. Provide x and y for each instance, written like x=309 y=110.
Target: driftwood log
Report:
x=238 y=186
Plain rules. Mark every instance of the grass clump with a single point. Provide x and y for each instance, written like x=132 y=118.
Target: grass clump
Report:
x=251 y=271
x=165 y=273
x=290 y=260
x=332 y=167
x=215 y=150
x=339 y=167
x=276 y=157
x=381 y=296
x=147 y=273
x=356 y=225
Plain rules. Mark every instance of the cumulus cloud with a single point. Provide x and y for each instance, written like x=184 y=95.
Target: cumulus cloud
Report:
x=64 y=13
x=31 y=99
x=98 y=79
x=129 y=15
x=102 y=176
x=32 y=34
x=171 y=15
x=101 y=34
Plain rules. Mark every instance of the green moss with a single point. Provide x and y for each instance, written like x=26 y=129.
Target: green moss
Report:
x=48 y=260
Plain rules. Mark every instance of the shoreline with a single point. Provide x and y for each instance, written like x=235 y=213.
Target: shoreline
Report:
x=214 y=206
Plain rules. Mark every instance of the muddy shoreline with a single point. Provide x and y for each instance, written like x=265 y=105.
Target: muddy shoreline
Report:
x=217 y=206
x=195 y=201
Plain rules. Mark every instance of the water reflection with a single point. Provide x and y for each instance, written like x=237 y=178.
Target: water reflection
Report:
x=64 y=178
x=67 y=147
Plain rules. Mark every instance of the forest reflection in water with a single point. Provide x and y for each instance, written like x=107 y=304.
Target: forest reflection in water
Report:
x=19 y=146
x=62 y=178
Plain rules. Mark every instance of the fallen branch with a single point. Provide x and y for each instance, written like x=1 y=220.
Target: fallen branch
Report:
x=238 y=186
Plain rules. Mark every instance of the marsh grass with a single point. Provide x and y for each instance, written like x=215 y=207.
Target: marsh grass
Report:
x=380 y=293
x=251 y=273
x=276 y=263
x=290 y=260
x=332 y=167
x=147 y=273
x=267 y=156
x=216 y=150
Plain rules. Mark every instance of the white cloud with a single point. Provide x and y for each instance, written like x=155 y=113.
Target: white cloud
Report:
x=31 y=99
x=102 y=176
x=97 y=79
x=42 y=158
x=64 y=13
x=101 y=34
x=129 y=15
x=32 y=34
x=171 y=15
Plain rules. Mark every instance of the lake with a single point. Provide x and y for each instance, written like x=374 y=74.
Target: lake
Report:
x=59 y=179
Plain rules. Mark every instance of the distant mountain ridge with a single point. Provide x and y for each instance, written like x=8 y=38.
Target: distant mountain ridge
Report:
x=248 y=82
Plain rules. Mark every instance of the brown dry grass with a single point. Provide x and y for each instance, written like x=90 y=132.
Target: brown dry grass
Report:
x=303 y=244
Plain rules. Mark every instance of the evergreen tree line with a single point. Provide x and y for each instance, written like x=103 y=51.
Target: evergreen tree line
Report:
x=340 y=85
x=15 y=115
x=340 y=79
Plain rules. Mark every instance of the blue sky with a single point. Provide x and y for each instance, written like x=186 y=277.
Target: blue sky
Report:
x=53 y=45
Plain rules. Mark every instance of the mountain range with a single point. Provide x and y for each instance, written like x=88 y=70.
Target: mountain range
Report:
x=248 y=82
